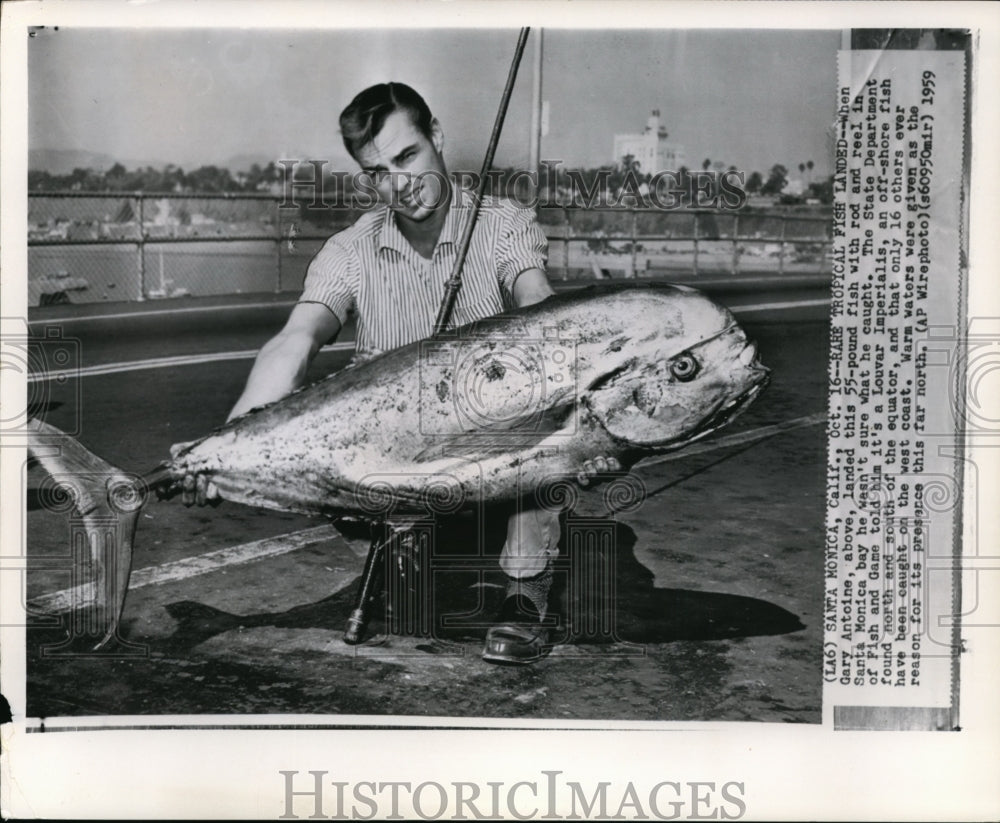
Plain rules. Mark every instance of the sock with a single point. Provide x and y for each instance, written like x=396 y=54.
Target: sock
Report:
x=536 y=589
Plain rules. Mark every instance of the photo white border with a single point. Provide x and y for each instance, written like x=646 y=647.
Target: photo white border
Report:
x=790 y=772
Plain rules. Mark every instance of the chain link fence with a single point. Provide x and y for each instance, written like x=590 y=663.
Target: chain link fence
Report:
x=616 y=242
x=90 y=248
x=94 y=248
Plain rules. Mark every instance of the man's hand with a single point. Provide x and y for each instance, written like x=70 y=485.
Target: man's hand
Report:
x=599 y=465
x=196 y=489
x=199 y=489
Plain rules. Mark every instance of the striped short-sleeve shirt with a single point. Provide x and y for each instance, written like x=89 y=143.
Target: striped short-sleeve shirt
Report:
x=371 y=268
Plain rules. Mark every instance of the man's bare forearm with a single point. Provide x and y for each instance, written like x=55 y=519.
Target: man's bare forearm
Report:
x=280 y=368
x=282 y=362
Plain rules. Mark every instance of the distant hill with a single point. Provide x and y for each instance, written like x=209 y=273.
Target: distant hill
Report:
x=63 y=161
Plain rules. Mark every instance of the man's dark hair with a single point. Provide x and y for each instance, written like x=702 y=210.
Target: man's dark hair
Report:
x=365 y=115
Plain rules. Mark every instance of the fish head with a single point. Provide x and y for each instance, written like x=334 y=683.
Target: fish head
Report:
x=698 y=375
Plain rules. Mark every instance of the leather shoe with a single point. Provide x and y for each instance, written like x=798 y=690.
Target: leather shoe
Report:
x=519 y=636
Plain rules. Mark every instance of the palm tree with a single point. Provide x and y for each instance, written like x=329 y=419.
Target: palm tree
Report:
x=776 y=181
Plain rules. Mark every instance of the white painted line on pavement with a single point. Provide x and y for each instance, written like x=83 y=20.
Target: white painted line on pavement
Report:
x=136 y=315
x=165 y=363
x=791 y=304
x=187 y=567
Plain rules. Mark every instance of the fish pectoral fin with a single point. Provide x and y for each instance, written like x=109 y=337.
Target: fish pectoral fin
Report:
x=635 y=413
x=505 y=436
x=470 y=446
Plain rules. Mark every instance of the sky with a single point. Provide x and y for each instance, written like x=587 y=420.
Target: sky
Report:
x=196 y=97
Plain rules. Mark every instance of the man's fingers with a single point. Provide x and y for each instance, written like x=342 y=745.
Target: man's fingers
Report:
x=598 y=465
x=188 y=491
x=605 y=464
x=213 y=496
x=201 y=489
x=207 y=492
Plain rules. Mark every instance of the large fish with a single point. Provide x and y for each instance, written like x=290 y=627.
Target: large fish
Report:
x=491 y=412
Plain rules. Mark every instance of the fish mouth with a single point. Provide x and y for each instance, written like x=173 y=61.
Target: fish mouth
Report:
x=758 y=377
x=735 y=407
x=749 y=357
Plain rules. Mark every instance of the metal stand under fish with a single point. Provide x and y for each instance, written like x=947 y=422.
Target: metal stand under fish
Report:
x=494 y=411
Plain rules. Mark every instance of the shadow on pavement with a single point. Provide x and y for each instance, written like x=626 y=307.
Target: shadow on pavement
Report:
x=451 y=597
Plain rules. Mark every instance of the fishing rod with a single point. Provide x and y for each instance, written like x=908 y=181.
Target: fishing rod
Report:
x=454 y=283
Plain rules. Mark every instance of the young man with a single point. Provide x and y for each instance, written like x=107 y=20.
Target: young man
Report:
x=391 y=266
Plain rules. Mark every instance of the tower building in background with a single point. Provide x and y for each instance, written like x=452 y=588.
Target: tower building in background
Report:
x=650 y=148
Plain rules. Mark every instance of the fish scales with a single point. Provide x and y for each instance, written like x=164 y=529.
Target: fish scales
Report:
x=492 y=410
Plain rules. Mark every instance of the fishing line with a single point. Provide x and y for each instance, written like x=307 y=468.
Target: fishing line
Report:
x=683 y=478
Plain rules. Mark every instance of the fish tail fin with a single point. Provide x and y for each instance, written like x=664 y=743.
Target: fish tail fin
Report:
x=103 y=504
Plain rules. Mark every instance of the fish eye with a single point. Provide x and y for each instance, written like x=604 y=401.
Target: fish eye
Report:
x=684 y=367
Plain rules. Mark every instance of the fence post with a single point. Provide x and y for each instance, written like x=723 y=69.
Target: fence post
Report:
x=781 y=248
x=635 y=254
x=824 y=247
x=736 y=244
x=277 y=229
x=141 y=245
x=569 y=231
x=694 y=236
